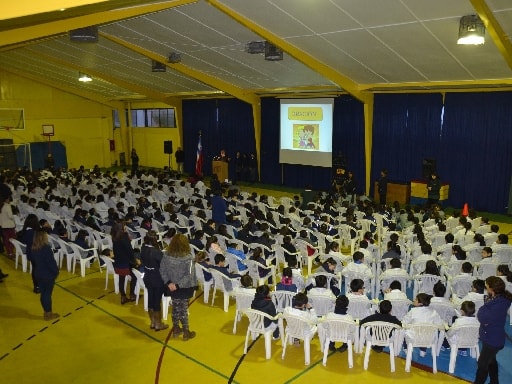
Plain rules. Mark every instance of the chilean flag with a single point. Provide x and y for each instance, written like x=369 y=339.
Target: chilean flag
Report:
x=199 y=157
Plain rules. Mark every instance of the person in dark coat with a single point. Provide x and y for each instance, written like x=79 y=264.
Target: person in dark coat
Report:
x=26 y=236
x=382 y=184
x=151 y=256
x=180 y=159
x=45 y=271
x=124 y=260
x=492 y=317
x=262 y=302
x=433 y=189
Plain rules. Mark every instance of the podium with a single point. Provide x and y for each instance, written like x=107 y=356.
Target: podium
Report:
x=220 y=168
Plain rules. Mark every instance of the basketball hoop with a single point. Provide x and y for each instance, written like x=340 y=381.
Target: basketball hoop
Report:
x=48 y=130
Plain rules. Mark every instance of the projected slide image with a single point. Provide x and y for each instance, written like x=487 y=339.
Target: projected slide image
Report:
x=306 y=136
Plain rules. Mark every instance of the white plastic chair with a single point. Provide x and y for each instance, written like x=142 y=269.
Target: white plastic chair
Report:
x=206 y=284
x=138 y=286
x=400 y=307
x=109 y=268
x=421 y=335
x=485 y=268
x=81 y=256
x=243 y=301
x=21 y=253
x=298 y=327
x=219 y=279
x=379 y=333
x=338 y=330
x=359 y=308
x=462 y=336
x=282 y=299
x=321 y=303
x=257 y=327
x=461 y=285
x=253 y=268
x=425 y=283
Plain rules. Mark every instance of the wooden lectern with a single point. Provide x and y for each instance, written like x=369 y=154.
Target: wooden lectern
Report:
x=220 y=168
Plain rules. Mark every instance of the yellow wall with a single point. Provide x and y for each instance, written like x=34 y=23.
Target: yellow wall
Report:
x=83 y=126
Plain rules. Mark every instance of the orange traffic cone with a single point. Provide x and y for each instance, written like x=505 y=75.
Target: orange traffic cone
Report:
x=465 y=210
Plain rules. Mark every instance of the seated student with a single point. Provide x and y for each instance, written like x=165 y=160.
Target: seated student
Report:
x=286 y=283
x=198 y=239
x=394 y=292
x=421 y=313
x=395 y=270
x=257 y=254
x=467 y=317
x=246 y=285
x=476 y=295
x=209 y=228
x=301 y=307
x=358 y=266
x=486 y=252
x=289 y=248
x=364 y=249
x=385 y=315
x=393 y=251
x=439 y=294
x=212 y=245
x=340 y=312
x=297 y=277
x=220 y=265
x=262 y=302
x=320 y=287
x=233 y=249
x=329 y=266
x=202 y=259
x=357 y=291
x=503 y=272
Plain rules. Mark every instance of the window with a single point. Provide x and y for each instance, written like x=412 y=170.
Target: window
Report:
x=153 y=118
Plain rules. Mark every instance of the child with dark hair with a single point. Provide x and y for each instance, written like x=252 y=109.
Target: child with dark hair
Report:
x=286 y=283
x=421 y=313
x=301 y=307
x=262 y=302
x=340 y=312
x=385 y=315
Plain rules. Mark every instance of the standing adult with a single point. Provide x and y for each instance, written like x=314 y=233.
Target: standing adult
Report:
x=253 y=168
x=180 y=159
x=8 y=225
x=151 y=256
x=350 y=187
x=135 y=161
x=124 y=259
x=179 y=274
x=45 y=271
x=382 y=184
x=26 y=236
x=219 y=208
x=492 y=317
x=433 y=189
x=239 y=167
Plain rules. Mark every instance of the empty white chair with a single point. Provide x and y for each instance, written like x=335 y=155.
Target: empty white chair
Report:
x=21 y=253
x=206 y=284
x=140 y=285
x=379 y=333
x=82 y=257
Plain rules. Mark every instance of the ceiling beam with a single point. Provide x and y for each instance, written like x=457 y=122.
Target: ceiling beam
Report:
x=305 y=58
x=448 y=86
x=498 y=35
x=26 y=34
x=214 y=82
x=149 y=93
x=24 y=8
x=93 y=96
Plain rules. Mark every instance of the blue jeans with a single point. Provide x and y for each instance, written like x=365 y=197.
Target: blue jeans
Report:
x=46 y=288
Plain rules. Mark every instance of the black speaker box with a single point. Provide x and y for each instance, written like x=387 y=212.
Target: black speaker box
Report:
x=428 y=167
x=168 y=147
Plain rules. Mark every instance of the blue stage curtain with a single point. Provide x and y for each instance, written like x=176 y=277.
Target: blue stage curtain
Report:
x=406 y=130
x=224 y=123
x=477 y=149
x=269 y=153
x=348 y=137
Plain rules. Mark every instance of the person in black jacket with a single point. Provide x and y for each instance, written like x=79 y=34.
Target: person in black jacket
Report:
x=262 y=302
x=180 y=159
x=385 y=315
x=433 y=189
x=383 y=186
x=124 y=259
x=45 y=271
x=151 y=256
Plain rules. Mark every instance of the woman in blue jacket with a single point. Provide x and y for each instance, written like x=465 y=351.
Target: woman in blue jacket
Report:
x=492 y=317
x=45 y=271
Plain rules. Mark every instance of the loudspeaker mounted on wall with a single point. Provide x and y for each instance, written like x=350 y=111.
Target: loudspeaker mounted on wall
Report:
x=168 y=147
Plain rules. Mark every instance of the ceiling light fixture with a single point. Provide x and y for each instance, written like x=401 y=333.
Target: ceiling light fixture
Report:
x=157 y=66
x=84 y=78
x=471 y=30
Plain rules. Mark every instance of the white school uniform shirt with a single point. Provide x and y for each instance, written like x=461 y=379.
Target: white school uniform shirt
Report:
x=421 y=315
x=322 y=291
x=395 y=294
x=464 y=320
x=308 y=314
x=359 y=268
